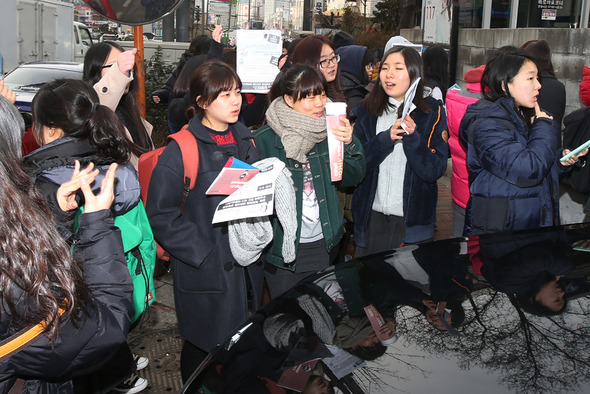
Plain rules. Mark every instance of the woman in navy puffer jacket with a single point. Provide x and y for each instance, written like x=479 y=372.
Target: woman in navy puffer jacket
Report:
x=512 y=152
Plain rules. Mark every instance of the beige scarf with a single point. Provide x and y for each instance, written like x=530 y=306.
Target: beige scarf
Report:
x=298 y=132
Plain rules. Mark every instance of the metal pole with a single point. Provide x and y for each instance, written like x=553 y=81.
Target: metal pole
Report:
x=182 y=18
x=454 y=44
x=138 y=43
x=168 y=27
x=584 y=14
x=249 y=7
x=202 y=16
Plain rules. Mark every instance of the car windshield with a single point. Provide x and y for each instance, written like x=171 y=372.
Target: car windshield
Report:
x=29 y=79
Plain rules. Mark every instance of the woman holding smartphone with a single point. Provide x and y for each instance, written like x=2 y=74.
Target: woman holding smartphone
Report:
x=396 y=202
x=512 y=153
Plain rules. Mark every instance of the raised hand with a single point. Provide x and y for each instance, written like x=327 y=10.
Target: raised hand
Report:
x=7 y=92
x=66 y=193
x=126 y=61
x=539 y=113
x=217 y=33
x=105 y=198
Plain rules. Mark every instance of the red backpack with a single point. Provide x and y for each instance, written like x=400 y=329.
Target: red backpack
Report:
x=190 y=160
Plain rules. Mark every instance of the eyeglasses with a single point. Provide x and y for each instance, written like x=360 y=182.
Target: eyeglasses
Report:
x=107 y=65
x=327 y=62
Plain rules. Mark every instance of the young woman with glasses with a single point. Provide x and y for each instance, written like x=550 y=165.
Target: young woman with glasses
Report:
x=318 y=51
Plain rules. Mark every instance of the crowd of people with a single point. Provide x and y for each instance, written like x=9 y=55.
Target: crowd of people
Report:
x=78 y=250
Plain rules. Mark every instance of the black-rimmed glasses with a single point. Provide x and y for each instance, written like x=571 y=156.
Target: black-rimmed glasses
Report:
x=327 y=62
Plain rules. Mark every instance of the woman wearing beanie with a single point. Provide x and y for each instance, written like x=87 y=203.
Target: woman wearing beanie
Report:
x=296 y=134
x=457 y=102
x=552 y=93
x=396 y=202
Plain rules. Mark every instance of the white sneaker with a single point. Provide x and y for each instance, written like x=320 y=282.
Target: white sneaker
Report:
x=140 y=361
x=133 y=385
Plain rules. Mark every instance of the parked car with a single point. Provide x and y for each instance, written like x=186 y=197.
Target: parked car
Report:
x=27 y=79
x=492 y=313
x=108 y=37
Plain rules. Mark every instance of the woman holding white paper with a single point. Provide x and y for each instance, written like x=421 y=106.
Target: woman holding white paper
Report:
x=211 y=289
x=296 y=134
x=512 y=153
x=396 y=202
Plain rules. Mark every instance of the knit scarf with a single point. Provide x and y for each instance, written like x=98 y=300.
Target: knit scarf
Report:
x=298 y=132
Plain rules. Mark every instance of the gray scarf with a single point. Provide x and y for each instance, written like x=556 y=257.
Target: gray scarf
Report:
x=298 y=132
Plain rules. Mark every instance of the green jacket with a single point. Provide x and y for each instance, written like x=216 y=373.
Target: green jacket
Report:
x=330 y=212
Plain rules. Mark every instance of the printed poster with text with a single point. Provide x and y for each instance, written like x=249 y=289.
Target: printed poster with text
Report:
x=258 y=53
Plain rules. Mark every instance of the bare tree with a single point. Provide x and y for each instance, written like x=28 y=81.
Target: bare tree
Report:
x=529 y=353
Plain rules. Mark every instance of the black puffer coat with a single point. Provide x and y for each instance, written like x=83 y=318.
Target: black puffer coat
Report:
x=81 y=348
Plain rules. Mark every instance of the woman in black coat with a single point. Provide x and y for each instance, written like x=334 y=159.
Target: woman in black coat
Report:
x=210 y=287
x=83 y=303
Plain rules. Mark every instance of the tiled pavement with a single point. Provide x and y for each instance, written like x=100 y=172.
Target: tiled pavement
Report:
x=444 y=209
x=158 y=338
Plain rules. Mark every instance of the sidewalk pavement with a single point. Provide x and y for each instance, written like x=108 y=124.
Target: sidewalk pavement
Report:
x=157 y=337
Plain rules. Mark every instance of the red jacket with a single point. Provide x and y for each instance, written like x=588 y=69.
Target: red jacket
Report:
x=457 y=102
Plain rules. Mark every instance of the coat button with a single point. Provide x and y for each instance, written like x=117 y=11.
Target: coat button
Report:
x=228 y=266
x=105 y=89
x=296 y=165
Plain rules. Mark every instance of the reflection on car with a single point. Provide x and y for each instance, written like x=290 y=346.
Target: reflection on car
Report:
x=505 y=312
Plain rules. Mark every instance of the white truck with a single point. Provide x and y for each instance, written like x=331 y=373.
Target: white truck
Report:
x=40 y=30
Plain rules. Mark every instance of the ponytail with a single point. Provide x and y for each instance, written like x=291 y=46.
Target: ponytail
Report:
x=74 y=107
x=107 y=135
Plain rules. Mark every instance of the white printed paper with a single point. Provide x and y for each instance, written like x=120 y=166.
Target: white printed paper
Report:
x=343 y=362
x=254 y=199
x=409 y=105
x=258 y=53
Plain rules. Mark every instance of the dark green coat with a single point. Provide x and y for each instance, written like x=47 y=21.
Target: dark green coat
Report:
x=330 y=212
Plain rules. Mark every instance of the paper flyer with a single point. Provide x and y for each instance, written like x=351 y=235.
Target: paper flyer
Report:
x=376 y=320
x=335 y=147
x=342 y=363
x=296 y=378
x=254 y=199
x=233 y=176
x=257 y=58
x=409 y=99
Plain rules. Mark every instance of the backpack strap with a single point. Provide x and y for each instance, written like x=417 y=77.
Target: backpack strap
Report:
x=189 y=150
x=20 y=340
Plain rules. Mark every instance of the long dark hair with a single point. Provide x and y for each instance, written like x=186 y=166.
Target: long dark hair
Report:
x=93 y=64
x=183 y=82
x=309 y=51
x=436 y=68
x=208 y=81
x=33 y=257
x=298 y=82
x=378 y=101
x=73 y=106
